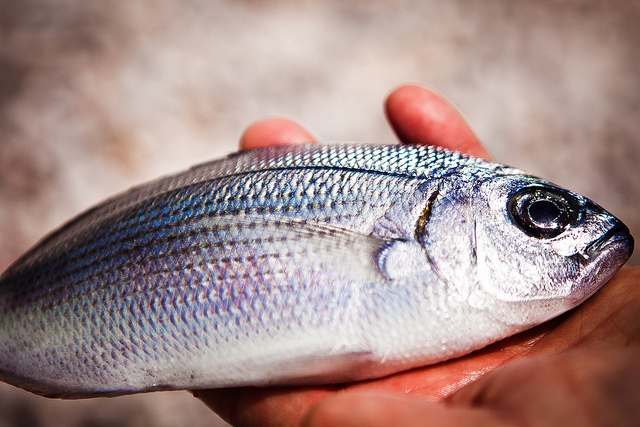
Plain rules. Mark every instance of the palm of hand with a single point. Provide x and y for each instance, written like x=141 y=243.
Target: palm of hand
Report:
x=581 y=368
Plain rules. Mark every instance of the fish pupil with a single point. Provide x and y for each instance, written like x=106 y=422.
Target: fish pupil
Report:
x=544 y=212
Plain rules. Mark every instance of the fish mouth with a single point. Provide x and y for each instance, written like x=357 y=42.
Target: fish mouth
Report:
x=618 y=235
x=601 y=259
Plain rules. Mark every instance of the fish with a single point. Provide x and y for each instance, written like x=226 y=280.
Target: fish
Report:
x=295 y=265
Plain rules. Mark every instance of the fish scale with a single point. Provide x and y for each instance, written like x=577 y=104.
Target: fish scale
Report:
x=291 y=265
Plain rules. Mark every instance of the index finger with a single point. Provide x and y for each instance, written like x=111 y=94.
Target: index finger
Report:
x=274 y=131
x=419 y=115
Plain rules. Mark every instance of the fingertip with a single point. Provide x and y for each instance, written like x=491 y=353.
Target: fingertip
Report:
x=274 y=131
x=419 y=115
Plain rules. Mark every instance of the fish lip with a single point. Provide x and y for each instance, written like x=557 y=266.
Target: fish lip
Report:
x=618 y=233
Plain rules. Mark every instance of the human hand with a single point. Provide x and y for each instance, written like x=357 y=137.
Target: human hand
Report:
x=581 y=368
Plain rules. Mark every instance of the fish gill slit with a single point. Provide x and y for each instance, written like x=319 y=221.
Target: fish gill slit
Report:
x=421 y=226
x=474 y=246
x=425 y=215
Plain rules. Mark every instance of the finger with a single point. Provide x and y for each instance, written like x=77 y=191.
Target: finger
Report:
x=587 y=386
x=611 y=316
x=420 y=116
x=275 y=406
x=386 y=410
x=274 y=131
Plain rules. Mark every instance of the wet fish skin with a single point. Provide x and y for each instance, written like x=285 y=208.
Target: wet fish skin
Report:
x=299 y=265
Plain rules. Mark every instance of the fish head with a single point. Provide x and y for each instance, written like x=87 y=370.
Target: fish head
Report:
x=525 y=244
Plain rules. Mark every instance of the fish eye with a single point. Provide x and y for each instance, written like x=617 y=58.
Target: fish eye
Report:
x=541 y=212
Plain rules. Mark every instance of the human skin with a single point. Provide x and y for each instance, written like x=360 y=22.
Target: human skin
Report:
x=582 y=368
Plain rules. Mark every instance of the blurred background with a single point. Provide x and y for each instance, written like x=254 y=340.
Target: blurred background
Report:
x=98 y=96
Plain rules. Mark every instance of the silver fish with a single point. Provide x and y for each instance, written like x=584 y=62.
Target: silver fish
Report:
x=299 y=265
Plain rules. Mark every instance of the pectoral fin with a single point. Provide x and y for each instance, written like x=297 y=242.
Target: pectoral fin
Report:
x=314 y=244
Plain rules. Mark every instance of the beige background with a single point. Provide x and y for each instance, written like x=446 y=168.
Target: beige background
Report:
x=98 y=96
